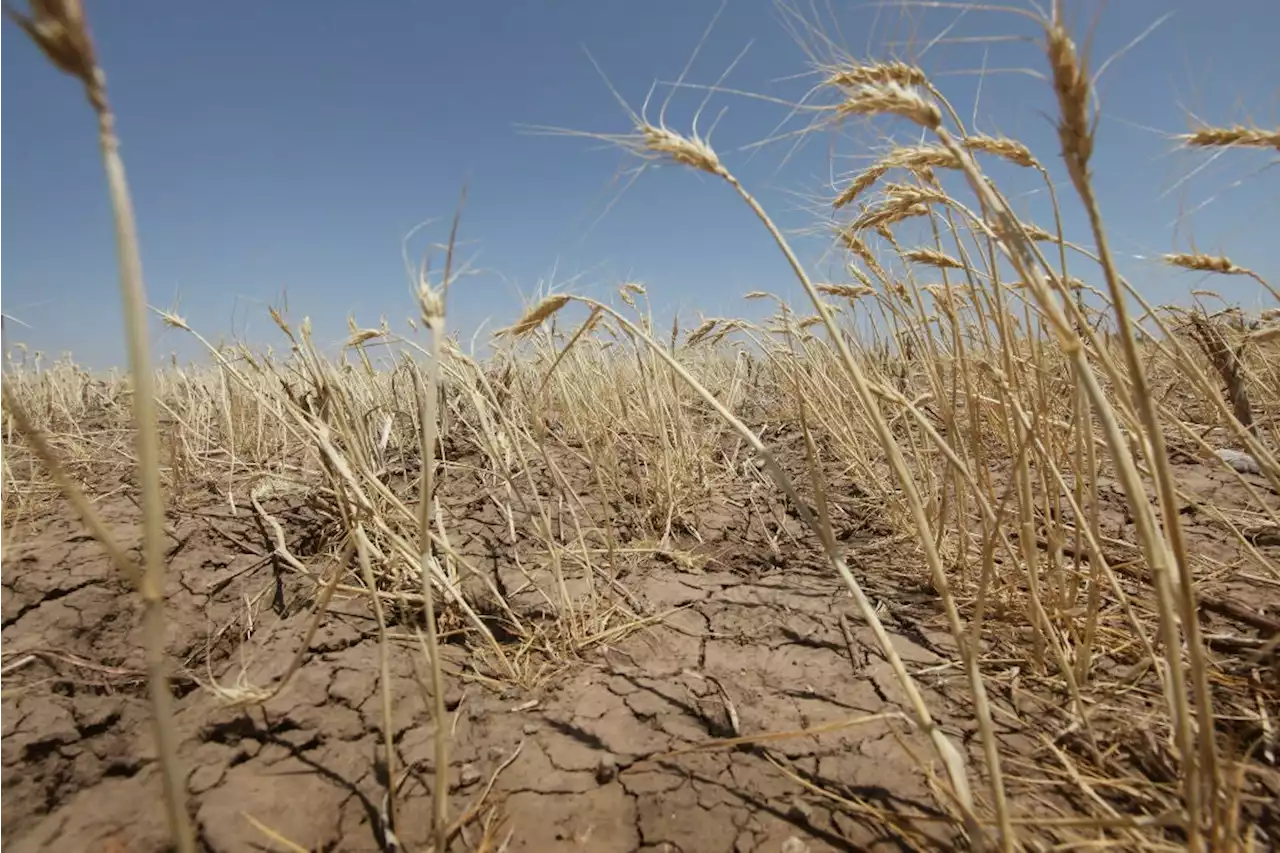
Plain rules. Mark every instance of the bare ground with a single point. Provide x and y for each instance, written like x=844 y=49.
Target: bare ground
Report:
x=745 y=640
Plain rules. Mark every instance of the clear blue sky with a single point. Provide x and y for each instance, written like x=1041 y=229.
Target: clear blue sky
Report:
x=275 y=145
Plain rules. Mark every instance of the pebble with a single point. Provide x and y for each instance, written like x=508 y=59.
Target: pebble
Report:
x=607 y=769
x=1242 y=462
x=468 y=775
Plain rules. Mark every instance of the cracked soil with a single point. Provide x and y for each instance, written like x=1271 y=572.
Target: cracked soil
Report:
x=609 y=750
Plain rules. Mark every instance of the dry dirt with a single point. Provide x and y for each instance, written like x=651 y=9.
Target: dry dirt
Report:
x=580 y=758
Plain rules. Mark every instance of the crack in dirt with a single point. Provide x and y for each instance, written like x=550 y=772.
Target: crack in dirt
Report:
x=47 y=597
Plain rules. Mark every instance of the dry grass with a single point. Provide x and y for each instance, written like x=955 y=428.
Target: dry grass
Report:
x=987 y=412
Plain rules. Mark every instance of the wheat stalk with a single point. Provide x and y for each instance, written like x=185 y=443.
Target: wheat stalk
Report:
x=59 y=29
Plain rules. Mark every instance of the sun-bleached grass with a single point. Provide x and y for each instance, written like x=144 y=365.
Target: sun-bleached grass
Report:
x=984 y=395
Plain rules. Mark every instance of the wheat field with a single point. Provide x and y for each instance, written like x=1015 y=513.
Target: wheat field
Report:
x=974 y=548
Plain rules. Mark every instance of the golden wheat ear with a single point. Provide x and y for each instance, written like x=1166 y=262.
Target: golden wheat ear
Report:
x=536 y=316
x=1237 y=136
x=59 y=29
